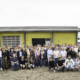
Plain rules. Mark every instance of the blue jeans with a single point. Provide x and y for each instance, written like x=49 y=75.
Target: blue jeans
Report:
x=37 y=62
x=74 y=59
x=55 y=60
x=13 y=65
x=43 y=62
x=62 y=68
x=0 y=62
x=69 y=66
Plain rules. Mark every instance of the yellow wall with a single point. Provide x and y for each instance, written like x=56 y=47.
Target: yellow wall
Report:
x=29 y=36
x=12 y=34
x=64 y=37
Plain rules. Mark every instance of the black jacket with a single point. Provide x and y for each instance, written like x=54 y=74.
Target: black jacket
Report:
x=32 y=55
x=24 y=54
x=74 y=54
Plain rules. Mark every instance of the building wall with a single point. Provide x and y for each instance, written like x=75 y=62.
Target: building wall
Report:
x=29 y=36
x=64 y=37
x=12 y=34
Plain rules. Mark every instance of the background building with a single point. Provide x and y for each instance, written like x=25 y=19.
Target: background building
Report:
x=38 y=35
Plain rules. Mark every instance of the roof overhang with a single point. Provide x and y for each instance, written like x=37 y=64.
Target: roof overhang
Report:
x=40 y=29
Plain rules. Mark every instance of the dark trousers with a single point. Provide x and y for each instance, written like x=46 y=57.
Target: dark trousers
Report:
x=43 y=62
x=55 y=60
x=37 y=62
x=51 y=67
x=5 y=63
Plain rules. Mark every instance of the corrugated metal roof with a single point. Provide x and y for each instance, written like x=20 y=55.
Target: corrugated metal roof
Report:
x=39 y=28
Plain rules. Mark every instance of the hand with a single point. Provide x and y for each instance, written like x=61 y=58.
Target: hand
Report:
x=60 y=67
x=45 y=60
x=5 y=58
x=73 y=66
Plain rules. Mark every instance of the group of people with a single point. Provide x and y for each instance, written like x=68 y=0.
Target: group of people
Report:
x=57 y=57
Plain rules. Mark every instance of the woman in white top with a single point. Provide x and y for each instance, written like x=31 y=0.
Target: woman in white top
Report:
x=0 y=59
x=76 y=49
x=49 y=54
x=28 y=52
x=55 y=55
x=37 y=58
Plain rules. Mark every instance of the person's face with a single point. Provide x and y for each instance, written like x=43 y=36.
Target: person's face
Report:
x=42 y=48
x=77 y=58
x=14 y=55
x=60 y=59
x=28 y=57
x=73 y=50
x=56 y=48
x=23 y=49
x=69 y=46
x=51 y=59
x=69 y=57
x=11 y=50
x=22 y=57
x=63 y=49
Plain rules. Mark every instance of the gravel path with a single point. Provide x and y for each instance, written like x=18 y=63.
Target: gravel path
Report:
x=38 y=74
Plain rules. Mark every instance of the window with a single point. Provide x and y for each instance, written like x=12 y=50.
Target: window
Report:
x=10 y=40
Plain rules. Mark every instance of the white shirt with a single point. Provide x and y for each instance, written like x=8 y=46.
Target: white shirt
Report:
x=28 y=52
x=76 y=49
x=0 y=53
x=49 y=52
x=63 y=53
x=56 y=54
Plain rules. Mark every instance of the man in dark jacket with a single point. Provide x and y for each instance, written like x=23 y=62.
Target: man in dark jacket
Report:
x=19 y=54
x=73 y=55
x=24 y=53
x=51 y=64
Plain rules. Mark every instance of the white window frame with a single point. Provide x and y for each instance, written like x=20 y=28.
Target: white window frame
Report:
x=11 y=40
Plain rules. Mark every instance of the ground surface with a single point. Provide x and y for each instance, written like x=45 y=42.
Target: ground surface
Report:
x=38 y=74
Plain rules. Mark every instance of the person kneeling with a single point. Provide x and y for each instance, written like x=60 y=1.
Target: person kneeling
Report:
x=22 y=62
x=14 y=61
x=32 y=64
x=51 y=64
x=69 y=63
x=77 y=64
x=60 y=65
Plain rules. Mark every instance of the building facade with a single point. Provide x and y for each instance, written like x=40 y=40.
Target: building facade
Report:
x=38 y=35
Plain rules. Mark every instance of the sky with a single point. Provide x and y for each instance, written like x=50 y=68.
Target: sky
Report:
x=39 y=13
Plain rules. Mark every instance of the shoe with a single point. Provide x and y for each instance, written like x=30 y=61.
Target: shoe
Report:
x=71 y=69
x=54 y=70
x=14 y=70
x=1 y=69
x=67 y=69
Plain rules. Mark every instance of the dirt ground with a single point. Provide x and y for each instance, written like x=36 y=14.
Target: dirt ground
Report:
x=38 y=74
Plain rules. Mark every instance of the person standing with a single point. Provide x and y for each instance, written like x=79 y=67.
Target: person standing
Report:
x=49 y=54
x=55 y=55
x=63 y=54
x=24 y=53
x=0 y=59
x=37 y=58
x=5 y=61
x=19 y=54
x=43 y=57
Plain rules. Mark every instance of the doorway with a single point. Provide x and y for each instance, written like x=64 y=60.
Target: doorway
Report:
x=41 y=41
x=38 y=41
